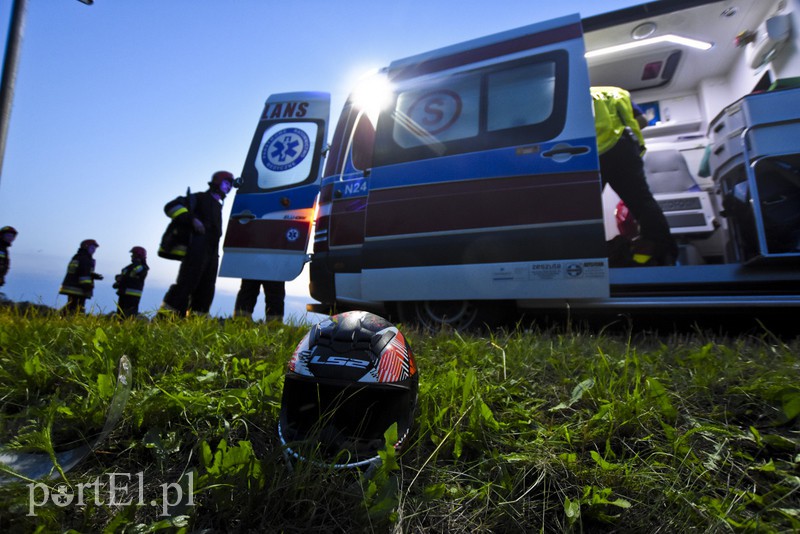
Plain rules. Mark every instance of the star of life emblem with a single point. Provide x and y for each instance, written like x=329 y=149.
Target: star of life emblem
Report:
x=285 y=150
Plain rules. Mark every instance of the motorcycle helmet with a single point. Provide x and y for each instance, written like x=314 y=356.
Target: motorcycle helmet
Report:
x=627 y=225
x=350 y=378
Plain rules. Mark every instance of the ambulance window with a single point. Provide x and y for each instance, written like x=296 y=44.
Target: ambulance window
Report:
x=363 y=142
x=438 y=113
x=520 y=102
x=334 y=161
x=286 y=154
x=520 y=97
x=355 y=127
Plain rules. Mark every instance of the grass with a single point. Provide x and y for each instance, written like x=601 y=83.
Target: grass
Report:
x=516 y=431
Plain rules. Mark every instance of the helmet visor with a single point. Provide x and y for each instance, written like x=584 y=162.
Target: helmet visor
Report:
x=345 y=423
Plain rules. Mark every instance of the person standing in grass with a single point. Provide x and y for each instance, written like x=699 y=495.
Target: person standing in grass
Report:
x=274 y=295
x=130 y=283
x=200 y=214
x=7 y=236
x=78 y=284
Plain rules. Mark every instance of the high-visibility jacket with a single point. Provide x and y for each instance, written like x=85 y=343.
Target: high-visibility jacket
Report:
x=613 y=113
x=80 y=277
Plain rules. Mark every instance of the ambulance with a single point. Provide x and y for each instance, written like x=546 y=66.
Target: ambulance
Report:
x=463 y=184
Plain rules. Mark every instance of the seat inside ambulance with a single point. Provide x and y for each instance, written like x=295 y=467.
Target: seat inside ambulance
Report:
x=688 y=209
x=668 y=172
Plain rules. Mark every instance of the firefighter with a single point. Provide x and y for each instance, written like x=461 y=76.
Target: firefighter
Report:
x=130 y=282
x=78 y=284
x=200 y=214
x=7 y=236
x=621 y=145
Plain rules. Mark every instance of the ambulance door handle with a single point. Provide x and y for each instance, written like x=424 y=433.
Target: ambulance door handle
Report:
x=244 y=217
x=564 y=152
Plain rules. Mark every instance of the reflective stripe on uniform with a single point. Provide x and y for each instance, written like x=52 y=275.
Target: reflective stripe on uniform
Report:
x=174 y=251
x=70 y=290
x=176 y=211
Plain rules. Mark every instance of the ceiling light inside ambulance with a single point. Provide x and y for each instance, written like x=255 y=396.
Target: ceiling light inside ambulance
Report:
x=372 y=93
x=669 y=38
x=643 y=31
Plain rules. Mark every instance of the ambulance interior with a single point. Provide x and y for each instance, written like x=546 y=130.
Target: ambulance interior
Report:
x=689 y=71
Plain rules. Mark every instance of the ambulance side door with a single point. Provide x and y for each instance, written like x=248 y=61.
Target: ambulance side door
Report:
x=486 y=179
x=271 y=219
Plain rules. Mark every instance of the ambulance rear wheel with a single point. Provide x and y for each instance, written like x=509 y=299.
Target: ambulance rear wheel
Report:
x=432 y=315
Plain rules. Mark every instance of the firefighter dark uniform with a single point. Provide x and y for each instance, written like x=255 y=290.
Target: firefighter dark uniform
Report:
x=130 y=283
x=78 y=284
x=200 y=217
x=620 y=144
x=7 y=236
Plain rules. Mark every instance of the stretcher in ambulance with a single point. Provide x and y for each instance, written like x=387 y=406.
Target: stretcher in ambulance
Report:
x=463 y=184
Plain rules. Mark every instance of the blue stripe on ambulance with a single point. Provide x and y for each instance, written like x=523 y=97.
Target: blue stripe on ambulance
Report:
x=505 y=161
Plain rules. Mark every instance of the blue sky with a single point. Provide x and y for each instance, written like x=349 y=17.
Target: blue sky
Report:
x=121 y=105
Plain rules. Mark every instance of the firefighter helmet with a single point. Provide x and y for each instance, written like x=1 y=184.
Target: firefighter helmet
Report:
x=139 y=252
x=350 y=378
x=89 y=242
x=8 y=230
x=220 y=176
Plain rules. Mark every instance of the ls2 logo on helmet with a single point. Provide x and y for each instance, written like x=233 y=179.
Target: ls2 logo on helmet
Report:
x=340 y=361
x=285 y=150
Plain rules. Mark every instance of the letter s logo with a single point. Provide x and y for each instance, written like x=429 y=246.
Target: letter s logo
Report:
x=436 y=111
x=433 y=114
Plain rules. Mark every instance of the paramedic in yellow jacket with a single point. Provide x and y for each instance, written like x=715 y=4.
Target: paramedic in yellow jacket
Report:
x=620 y=145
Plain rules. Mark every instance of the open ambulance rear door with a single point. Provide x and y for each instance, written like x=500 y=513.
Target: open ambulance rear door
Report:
x=270 y=221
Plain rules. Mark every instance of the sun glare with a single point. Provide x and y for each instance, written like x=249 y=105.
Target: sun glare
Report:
x=372 y=94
